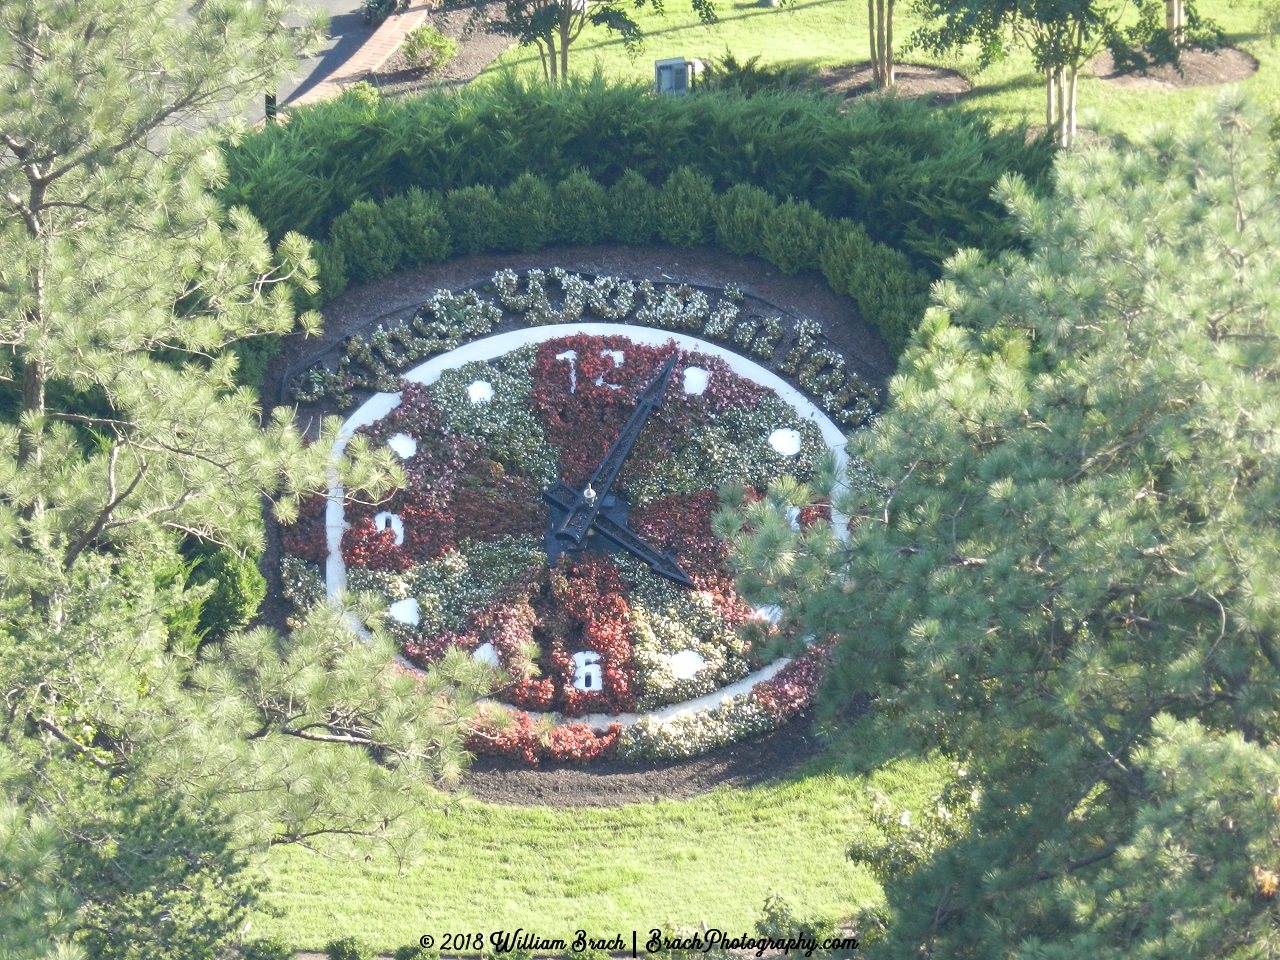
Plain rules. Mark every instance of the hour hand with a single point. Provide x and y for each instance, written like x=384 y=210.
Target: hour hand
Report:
x=586 y=503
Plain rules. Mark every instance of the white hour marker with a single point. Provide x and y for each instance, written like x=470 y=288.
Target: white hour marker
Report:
x=403 y=445
x=386 y=519
x=481 y=391
x=695 y=381
x=786 y=441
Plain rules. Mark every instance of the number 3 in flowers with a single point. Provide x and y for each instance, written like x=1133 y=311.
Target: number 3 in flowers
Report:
x=587 y=674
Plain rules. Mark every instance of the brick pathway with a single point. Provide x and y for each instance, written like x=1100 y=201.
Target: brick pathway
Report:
x=372 y=55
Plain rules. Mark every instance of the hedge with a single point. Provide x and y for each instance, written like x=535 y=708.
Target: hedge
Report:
x=532 y=213
x=917 y=178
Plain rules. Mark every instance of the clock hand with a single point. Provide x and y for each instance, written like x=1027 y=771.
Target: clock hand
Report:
x=586 y=504
x=664 y=564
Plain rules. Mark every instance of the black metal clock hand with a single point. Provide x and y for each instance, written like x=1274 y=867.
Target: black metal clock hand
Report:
x=586 y=503
x=663 y=564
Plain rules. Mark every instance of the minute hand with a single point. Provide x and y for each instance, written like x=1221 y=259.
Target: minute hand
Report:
x=583 y=513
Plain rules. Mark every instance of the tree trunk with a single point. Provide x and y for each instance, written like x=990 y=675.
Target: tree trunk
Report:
x=1051 y=106
x=888 y=43
x=555 y=64
x=875 y=50
x=1175 y=19
x=1073 y=77
x=33 y=384
x=566 y=25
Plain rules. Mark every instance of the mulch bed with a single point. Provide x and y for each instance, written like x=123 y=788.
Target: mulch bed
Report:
x=910 y=80
x=606 y=783
x=1198 y=69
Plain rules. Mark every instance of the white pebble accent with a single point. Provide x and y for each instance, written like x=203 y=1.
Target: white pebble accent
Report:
x=403 y=445
x=695 y=381
x=486 y=653
x=406 y=611
x=384 y=519
x=786 y=441
x=686 y=664
x=480 y=392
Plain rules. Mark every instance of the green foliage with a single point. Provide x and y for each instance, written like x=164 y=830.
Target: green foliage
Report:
x=794 y=237
x=424 y=44
x=160 y=765
x=369 y=245
x=889 y=292
x=741 y=214
x=1149 y=42
x=633 y=209
x=254 y=354
x=529 y=213
x=331 y=275
x=1076 y=534
x=238 y=590
x=415 y=951
x=686 y=204
x=417 y=221
x=267 y=948
x=917 y=178
x=157 y=882
x=349 y=948
x=581 y=209
x=748 y=77
x=476 y=219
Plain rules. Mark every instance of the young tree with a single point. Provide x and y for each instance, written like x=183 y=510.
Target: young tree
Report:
x=1066 y=577
x=123 y=287
x=880 y=26
x=552 y=26
x=1061 y=35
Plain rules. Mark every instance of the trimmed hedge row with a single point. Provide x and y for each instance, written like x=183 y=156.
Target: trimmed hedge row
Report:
x=916 y=177
x=417 y=228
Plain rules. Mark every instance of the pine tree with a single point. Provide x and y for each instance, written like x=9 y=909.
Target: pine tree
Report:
x=1066 y=576
x=123 y=289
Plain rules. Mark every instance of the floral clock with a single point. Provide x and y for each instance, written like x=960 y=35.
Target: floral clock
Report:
x=601 y=645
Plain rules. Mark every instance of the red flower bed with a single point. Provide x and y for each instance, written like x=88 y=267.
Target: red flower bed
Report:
x=306 y=537
x=523 y=740
x=792 y=688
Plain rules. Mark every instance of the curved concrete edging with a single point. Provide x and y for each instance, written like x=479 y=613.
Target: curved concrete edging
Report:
x=490 y=348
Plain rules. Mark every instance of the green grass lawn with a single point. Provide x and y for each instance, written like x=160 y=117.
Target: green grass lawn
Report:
x=834 y=32
x=487 y=867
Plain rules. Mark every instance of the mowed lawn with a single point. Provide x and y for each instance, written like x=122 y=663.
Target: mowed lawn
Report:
x=834 y=32
x=486 y=867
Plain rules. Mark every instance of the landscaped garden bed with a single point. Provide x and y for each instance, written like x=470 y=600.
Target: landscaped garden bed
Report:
x=459 y=554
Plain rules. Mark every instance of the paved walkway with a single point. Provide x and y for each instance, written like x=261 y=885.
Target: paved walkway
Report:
x=349 y=59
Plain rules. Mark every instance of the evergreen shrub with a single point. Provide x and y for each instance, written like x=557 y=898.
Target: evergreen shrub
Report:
x=369 y=245
x=239 y=588
x=349 y=948
x=686 y=205
x=794 y=236
x=581 y=205
x=740 y=215
x=633 y=209
x=475 y=219
x=527 y=205
x=417 y=220
x=890 y=293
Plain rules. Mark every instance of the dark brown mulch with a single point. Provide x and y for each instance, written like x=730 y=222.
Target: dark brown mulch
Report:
x=1198 y=69
x=477 y=49
x=613 y=784
x=910 y=80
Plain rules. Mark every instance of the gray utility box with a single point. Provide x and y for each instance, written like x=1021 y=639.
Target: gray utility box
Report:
x=675 y=75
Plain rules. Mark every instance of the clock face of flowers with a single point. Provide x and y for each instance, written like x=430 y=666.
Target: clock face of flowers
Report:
x=459 y=553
